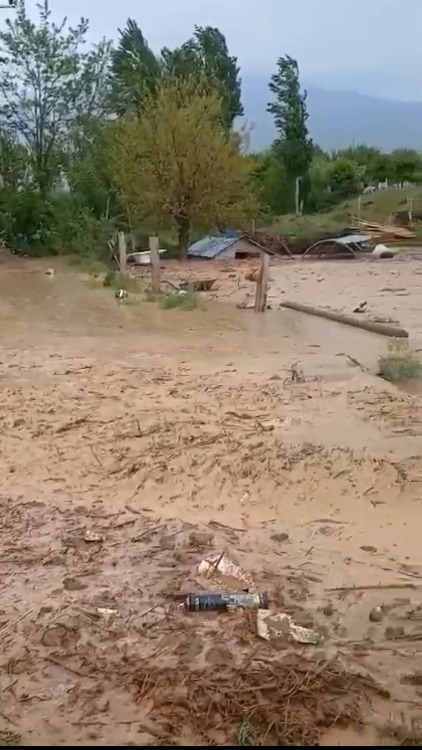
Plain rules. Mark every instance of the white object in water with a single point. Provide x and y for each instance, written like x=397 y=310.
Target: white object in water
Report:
x=143 y=258
x=379 y=250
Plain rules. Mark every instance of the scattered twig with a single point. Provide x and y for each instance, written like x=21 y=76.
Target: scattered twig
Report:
x=120 y=525
x=325 y=520
x=133 y=510
x=9 y=686
x=71 y=425
x=216 y=564
x=357 y=363
x=243 y=415
x=64 y=666
x=154 y=731
x=217 y=524
x=374 y=587
x=146 y=533
x=7 y=718
x=99 y=462
x=11 y=627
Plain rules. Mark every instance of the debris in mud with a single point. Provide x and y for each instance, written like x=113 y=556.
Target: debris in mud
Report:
x=412 y=678
x=376 y=614
x=296 y=374
x=328 y=610
x=73 y=584
x=221 y=566
x=403 y=736
x=201 y=538
x=291 y=701
x=92 y=536
x=281 y=537
x=8 y=738
x=394 y=632
x=279 y=625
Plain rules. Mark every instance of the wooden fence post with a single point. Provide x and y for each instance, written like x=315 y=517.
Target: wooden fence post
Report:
x=155 y=263
x=121 y=240
x=262 y=283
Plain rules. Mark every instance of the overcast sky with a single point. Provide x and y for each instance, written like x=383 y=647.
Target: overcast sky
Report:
x=370 y=45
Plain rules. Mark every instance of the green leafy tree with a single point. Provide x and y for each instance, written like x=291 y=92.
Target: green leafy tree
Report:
x=89 y=168
x=344 y=178
x=135 y=70
x=376 y=165
x=14 y=162
x=293 y=145
x=175 y=165
x=46 y=84
x=206 y=57
x=406 y=163
x=270 y=181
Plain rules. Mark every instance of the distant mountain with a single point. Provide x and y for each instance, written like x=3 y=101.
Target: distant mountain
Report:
x=338 y=119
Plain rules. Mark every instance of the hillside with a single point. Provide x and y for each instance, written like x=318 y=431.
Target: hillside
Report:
x=338 y=118
x=377 y=207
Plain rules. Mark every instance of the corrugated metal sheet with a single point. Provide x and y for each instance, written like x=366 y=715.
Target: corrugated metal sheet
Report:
x=213 y=245
x=353 y=238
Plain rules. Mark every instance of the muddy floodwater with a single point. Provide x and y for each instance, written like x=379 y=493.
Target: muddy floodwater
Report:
x=135 y=441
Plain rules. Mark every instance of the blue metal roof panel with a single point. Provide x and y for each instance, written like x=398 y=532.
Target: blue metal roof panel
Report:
x=213 y=245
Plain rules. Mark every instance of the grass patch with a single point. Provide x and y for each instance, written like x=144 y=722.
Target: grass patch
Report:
x=244 y=734
x=85 y=264
x=376 y=207
x=187 y=301
x=117 y=280
x=400 y=365
x=151 y=297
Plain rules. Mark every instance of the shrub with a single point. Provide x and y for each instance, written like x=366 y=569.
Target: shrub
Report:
x=187 y=301
x=400 y=365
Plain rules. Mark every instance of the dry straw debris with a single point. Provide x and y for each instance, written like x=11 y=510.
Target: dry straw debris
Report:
x=288 y=702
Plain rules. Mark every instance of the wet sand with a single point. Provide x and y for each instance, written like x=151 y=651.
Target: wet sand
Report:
x=144 y=427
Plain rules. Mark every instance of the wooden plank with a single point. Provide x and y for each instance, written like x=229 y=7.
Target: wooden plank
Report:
x=121 y=241
x=384 y=329
x=155 y=263
x=262 y=283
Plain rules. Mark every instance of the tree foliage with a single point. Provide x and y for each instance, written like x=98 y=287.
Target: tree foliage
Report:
x=294 y=147
x=46 y=83
x=135 y=70
x=343 y=176
x=174 y=163
x=206 y=57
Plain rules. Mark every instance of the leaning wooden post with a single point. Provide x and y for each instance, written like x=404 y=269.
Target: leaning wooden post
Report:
x=155 y=263
x=121 y=241
x=262 y=283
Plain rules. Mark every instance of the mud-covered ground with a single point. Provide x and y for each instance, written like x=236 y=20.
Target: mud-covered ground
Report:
x=135 y=442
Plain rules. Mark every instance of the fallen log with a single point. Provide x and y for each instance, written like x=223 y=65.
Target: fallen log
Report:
x=384 y=329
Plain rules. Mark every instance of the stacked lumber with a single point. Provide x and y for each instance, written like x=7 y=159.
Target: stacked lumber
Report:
x=381 y=231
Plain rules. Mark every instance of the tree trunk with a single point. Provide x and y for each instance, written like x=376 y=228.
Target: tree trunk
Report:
x=183 y=234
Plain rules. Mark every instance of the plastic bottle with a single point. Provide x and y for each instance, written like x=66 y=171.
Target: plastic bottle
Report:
x=222 y=602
